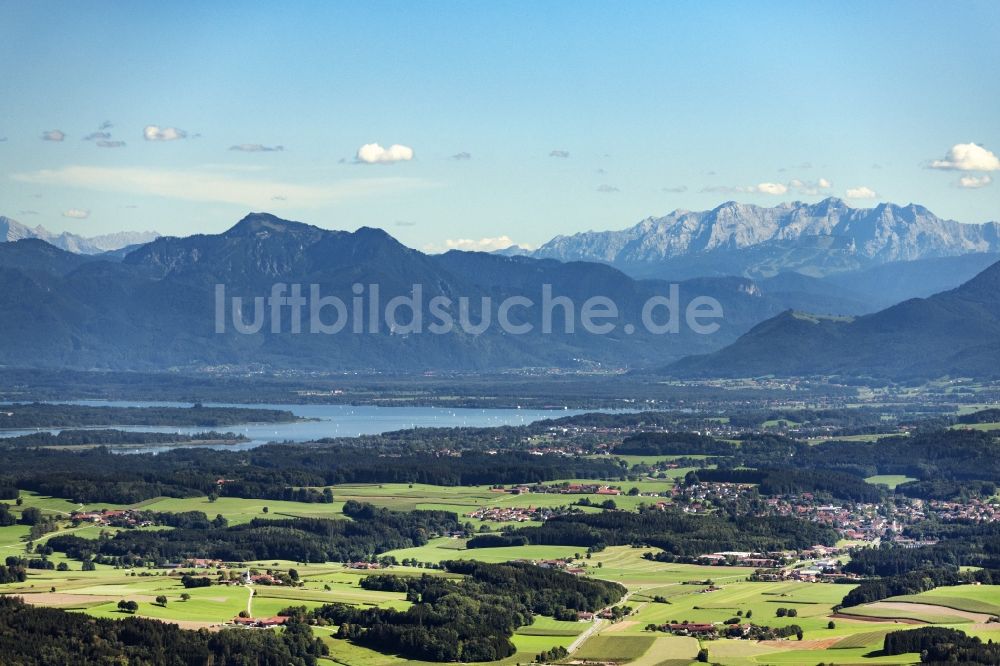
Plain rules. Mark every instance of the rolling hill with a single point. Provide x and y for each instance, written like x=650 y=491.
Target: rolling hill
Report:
x=953 y=333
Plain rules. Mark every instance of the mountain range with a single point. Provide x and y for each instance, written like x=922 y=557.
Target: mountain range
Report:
x=817 y=240
x=953 y=333
x=155 y=307
x=12 y=230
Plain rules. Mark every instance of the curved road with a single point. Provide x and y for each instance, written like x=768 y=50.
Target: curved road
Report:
x=598 y=622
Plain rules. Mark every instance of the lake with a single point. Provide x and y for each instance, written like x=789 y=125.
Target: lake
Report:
x=330 y=421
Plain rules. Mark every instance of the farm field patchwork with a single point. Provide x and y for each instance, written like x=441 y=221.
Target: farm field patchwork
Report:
x=685 y=588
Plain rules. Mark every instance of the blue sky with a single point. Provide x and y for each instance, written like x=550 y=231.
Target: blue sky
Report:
x=525 y=120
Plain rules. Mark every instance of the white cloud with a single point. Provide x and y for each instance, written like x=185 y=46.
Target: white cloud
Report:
x=562 y=154
x=76 y=213
x=760 y=188
x=472 y=245
x=214 y=186
x=53 y=135
x=257 y=148
x=974 y=182
x=373 y=153
x=157 y=133
x=771 y=188
x=862 y=192
x=809 y=187
x=968 y=157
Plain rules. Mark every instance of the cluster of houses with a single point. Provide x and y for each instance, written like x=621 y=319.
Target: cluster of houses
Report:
x=578 y=489
x=364 y=566
x=562 y=565
x=974 y=510
x=561 y=489
x=512 y=514
x=201 y=563
x=260 y=622
x=745 y=559
x=112 y=518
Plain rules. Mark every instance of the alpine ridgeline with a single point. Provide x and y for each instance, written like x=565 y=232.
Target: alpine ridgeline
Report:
x=12 y=231
x=819 y=239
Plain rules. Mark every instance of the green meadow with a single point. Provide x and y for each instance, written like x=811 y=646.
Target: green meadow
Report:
x=685 y=588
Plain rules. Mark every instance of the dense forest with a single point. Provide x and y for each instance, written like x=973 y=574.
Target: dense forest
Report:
x=370 y=532
x=112 y=437
x=957 y=460
x=679 y=535
x=962 y=544
x=982 y=416
x=269 y=472
x=45 y=415
x=791 y=481
x=471 y=619
x=941 y=645
x=35 y=636
x=674 y=443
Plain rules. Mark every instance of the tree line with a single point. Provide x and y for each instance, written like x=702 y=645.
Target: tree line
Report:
x=471 y=619
x=36 y=636
x=371 y=532
x=677 y=534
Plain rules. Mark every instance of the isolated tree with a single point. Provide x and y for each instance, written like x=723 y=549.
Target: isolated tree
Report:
x=31 y=516
x=185 y=596
x=703 y=655
x=161 y=599
x=831 y=625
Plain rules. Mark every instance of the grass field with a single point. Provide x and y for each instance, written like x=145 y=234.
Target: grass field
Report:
x=615 y=648
x=899 y=612
x=890 y=480
x=971 y=598
x=874 y=639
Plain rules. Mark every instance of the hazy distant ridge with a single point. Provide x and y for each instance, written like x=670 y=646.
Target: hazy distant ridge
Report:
x=12 y=230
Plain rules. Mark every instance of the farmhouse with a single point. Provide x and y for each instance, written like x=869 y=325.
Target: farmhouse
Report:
x=261 y=622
